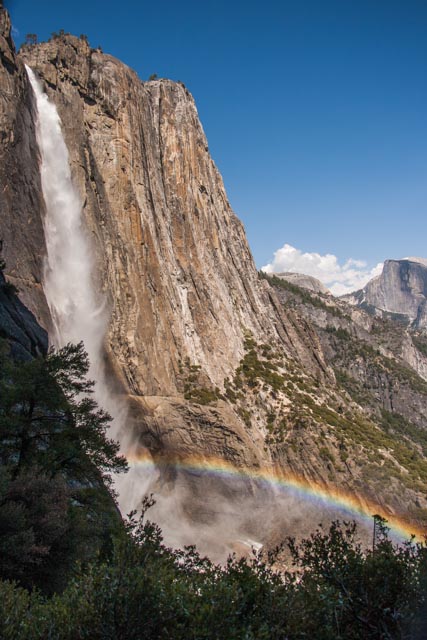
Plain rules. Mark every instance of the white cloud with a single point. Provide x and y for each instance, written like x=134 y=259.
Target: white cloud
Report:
x=15 y=32
x=339 y=278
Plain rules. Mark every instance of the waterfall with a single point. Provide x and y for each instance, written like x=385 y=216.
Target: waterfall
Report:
x=69 y=266
x=69 y=262
x=78 y=311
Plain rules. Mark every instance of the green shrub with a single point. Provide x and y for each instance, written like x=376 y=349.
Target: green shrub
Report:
x=201 y=395
x=149 y=592
x=325 y=454
x=420 y=342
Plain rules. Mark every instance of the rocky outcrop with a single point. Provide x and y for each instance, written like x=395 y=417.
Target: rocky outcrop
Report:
x=401 y=290
x=302 y=280
x=380 y=366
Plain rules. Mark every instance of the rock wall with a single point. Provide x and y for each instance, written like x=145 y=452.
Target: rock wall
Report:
x=172 y=257
x=21 y=201
x=18 y=325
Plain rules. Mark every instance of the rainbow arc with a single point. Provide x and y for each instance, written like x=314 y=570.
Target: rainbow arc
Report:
x=350 y=505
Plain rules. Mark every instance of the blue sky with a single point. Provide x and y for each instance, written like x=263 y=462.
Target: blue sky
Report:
x=315 y=110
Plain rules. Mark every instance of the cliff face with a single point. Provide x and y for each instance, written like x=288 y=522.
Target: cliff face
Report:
x=380 y=366
x=400 y=289
x=172 y=257
x=18 y=325
x=21 y=200
x=210 y=359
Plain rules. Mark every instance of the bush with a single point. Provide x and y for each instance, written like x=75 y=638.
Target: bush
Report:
x=147 y=591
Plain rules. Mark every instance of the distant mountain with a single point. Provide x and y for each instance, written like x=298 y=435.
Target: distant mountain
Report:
x=400 y=291
x=302 y=280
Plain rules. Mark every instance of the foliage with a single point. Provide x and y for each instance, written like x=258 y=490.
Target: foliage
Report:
x=344 y=592
x=256 y=367
x=194 y=390
x=31 y=38
x=340 y=333
x=147 y=591
x=358 y=429
x=304 y=296
x=420 y=342
x=33 y=521
x=58 y=34
x=49 y=420
x=201 y=395
x=55 y=461
x=350 y=348
x=400 y=426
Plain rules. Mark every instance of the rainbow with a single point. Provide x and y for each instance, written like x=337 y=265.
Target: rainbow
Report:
x=322 y=495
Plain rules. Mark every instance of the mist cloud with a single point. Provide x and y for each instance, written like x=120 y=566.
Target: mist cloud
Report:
x=339 y=278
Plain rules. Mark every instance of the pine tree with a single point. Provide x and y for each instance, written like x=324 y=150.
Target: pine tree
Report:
x=48 y=418
x=55 y=466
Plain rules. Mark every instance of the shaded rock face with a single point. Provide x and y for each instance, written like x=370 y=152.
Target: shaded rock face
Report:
x=21 y=201
x=18 y=325
x=400 y=289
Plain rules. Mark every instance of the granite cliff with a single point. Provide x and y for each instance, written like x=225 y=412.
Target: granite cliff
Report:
x=18 y=326
x=400 y=290
x=172 y=256
x=211 y=359
x=22 y=205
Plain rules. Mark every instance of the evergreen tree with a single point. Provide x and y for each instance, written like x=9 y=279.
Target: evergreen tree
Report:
x=48 y=418
x=55 y=466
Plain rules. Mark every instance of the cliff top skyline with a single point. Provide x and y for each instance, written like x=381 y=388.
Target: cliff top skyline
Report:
x=315 y=114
